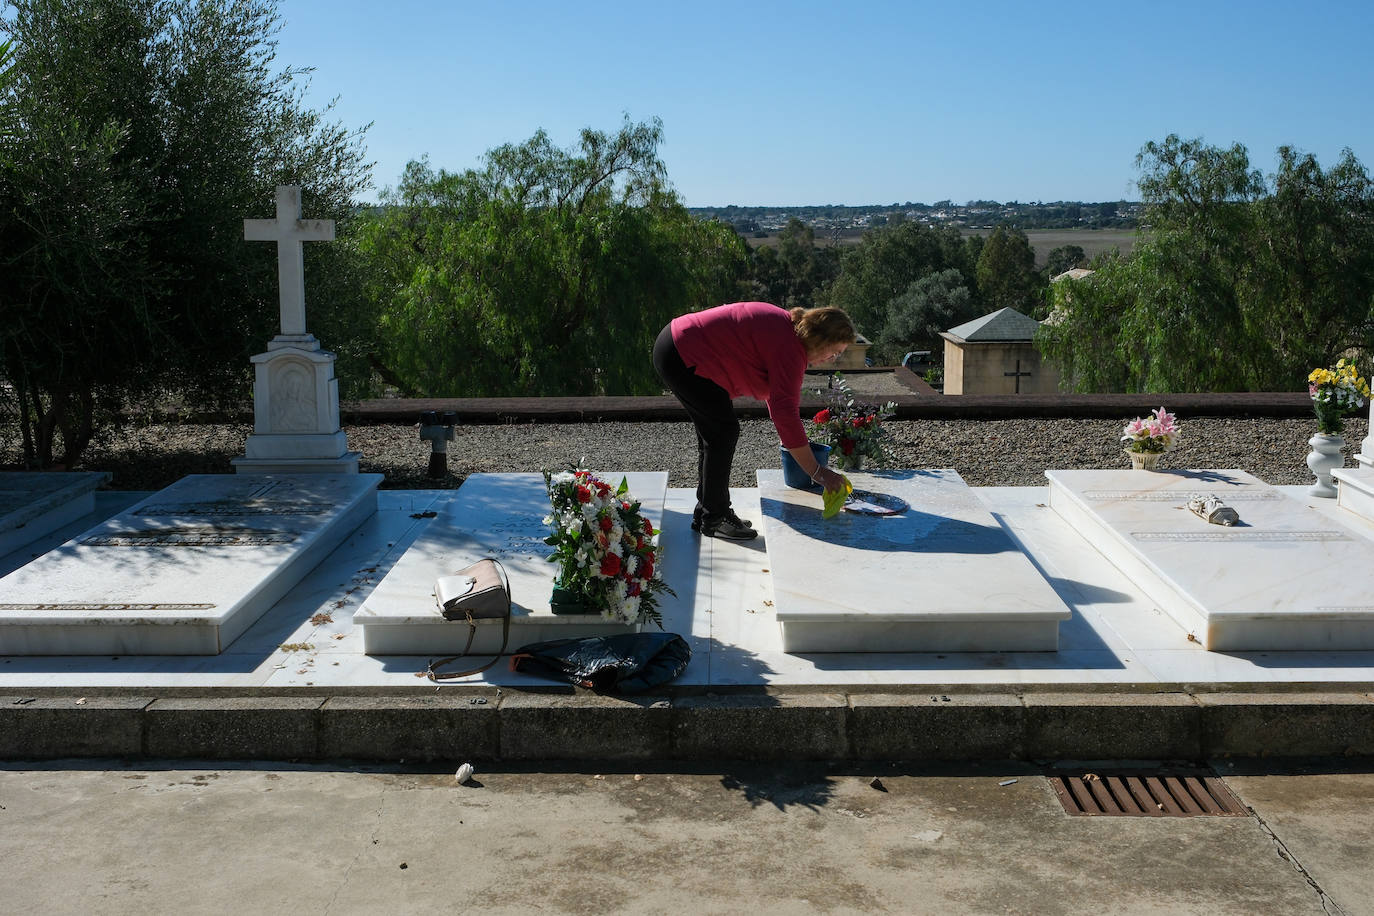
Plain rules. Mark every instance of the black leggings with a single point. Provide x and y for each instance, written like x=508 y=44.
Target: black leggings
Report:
x=713 y=415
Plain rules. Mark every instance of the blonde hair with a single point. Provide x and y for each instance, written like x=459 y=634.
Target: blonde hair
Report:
x=822 y=327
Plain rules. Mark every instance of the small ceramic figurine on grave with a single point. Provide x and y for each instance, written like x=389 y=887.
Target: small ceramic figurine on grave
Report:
x=1208 y=506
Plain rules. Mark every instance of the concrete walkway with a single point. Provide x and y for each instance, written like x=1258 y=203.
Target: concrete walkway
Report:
x=148 y=838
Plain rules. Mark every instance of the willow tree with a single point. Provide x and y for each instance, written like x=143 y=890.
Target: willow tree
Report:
x=546 y=271
x=1237 y=282
x=144 y=132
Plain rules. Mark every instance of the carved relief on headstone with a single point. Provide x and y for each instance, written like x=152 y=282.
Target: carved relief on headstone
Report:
x=293 y=397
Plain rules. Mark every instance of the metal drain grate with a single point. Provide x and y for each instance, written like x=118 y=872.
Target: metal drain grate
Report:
x=1147 y=795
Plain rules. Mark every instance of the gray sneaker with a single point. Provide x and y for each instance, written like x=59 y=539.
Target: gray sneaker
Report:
x=729 y=527
x=698 y=513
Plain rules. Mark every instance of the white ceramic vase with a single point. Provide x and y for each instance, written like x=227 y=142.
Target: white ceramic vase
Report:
x=1324 y=458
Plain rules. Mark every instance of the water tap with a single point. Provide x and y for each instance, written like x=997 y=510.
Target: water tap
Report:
x=438 y=429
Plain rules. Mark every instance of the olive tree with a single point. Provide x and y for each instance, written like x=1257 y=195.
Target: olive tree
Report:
x=144 y=132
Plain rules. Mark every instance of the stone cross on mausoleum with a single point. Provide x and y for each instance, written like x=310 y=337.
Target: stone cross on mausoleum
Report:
x=295 y=394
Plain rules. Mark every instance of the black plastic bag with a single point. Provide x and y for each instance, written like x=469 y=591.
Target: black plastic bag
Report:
x=624 y=663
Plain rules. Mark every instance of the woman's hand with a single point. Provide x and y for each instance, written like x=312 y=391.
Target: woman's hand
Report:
x=828 y=479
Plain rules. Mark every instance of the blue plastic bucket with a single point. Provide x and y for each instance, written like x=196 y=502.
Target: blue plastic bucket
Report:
x=794 y=476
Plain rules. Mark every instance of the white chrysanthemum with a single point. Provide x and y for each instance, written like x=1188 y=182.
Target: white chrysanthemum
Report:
x=562 y=477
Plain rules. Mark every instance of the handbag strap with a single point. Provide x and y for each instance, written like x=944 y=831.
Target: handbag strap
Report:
x=432 y=671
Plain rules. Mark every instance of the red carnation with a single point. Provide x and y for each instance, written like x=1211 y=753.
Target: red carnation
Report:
x=605 y=523
x=646 y=570
x=583 y=494
x=610 y=564
x=847 y=446
x=633 y=590
x=648 y=527
x=822 y=417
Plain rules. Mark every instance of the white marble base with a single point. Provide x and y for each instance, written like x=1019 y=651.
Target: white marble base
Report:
x=1355 y=490
x=943 y=576
x=493 y=515
x=346 y=463
x=1289 y=577
x=33 y=503
x=184 y=571
x=296 y=413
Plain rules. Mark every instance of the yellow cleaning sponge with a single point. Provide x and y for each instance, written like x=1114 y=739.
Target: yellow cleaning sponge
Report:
x=834 y=499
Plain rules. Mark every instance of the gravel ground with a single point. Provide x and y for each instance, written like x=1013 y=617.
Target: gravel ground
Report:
x=985 y=452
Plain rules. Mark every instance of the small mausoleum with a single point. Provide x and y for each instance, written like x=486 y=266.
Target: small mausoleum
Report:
x=855 y=355
x=996 y=354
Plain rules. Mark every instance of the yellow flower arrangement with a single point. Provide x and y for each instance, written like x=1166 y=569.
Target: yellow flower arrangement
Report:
x=1336 y=393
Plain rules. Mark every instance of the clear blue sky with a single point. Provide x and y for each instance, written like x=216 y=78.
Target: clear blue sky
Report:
x=853 y=102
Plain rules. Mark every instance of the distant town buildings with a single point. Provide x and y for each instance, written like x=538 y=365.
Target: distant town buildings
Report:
x=978 y=214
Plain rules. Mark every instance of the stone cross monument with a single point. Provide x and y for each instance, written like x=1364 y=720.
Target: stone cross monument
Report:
x=295 y=394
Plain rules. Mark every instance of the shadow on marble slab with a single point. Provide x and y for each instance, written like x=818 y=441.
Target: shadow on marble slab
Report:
x=108 y=503
x=331 y=592
x=913 y=531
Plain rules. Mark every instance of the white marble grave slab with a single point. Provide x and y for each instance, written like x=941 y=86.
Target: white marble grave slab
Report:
x=33 y=503
x=943 y=576
x=1287 y=577
x=494 y=515
x=183 y=572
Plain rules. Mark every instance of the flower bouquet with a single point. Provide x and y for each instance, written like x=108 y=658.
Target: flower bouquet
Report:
x=1149 y=437
x=1336 y=393
x=606 y=550
x=853 y=429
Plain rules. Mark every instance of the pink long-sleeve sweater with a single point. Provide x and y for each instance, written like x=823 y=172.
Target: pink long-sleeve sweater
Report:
x=749 y=349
